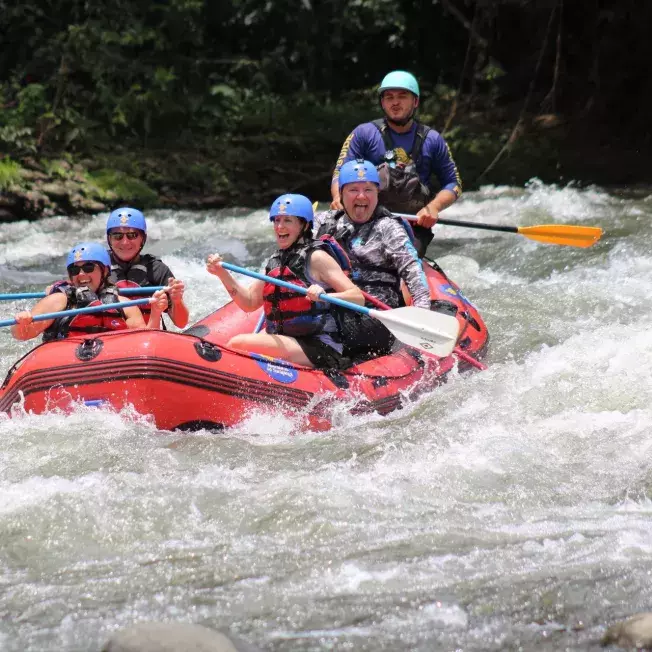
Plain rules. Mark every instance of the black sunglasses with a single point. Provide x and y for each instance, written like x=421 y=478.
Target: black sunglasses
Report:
x=87 y=268
x=131 y=235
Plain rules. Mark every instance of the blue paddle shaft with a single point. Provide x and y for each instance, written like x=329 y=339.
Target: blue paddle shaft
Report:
x=39 y=295
x=296 y=288
x=80 y=311
x=22 y=295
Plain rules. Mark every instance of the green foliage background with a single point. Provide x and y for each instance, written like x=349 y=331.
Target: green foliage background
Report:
x=195 y=94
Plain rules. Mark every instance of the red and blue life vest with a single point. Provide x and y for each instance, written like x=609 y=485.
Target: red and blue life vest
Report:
x=111 y=320
x=288 y=312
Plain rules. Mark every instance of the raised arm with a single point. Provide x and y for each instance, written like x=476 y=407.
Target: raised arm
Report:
x=246 y=297
x=450 y=181
x=178 y=310
x=328 y=273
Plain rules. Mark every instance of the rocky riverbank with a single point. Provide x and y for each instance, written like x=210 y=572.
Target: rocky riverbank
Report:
x=252 y=169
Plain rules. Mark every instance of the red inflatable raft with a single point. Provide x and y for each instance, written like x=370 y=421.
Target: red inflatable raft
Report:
x=192 y=380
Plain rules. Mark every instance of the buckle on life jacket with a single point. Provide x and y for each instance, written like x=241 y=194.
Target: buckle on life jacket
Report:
x=390 y=158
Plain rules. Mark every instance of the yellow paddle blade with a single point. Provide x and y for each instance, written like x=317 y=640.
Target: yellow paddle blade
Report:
x=563 y=234
x=314 y=205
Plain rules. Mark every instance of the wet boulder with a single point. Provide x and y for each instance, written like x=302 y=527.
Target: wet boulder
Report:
x=173 y=637
x=635 y=632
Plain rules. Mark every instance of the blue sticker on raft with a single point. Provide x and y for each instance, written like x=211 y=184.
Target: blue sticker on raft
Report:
x=279 y=370
x=456 y=293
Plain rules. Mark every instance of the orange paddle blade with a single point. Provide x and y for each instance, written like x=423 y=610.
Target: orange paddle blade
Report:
x=563 y=234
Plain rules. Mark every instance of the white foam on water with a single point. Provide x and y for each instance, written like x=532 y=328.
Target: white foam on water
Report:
x=477 y=510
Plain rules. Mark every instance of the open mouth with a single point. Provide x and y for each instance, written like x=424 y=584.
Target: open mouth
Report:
x=283 y=237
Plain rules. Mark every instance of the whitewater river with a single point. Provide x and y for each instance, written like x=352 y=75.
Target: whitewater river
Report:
x=509 y=510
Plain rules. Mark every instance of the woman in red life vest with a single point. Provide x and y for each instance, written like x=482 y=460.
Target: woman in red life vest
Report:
x=300 y=329
x=88 y=268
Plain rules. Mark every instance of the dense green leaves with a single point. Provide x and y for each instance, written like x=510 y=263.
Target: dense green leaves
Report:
x=182 y=71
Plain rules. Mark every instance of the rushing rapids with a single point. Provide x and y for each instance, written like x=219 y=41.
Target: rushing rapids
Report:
x=508 y=508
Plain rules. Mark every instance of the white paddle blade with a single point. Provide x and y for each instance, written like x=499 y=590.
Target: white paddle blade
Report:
x=432 y=332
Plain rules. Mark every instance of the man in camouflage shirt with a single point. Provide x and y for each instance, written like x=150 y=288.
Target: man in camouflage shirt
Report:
x=381 y=253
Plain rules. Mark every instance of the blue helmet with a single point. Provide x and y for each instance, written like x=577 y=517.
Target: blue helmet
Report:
x=399 y=80
x=296 y=205
x=87 y=252
x=359 y=170
x=126 y=217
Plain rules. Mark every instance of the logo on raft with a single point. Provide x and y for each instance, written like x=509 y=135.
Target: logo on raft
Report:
x=448 y=289
x=279 y=370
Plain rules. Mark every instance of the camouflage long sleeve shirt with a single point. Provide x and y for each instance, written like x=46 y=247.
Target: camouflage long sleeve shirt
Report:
x=381 y=255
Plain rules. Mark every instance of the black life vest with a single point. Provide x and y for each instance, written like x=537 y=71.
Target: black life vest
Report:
x=139 y=274
x=288 y=312
x=401 y=188
x=364 y=275
x=111 y=320
x=126 y=275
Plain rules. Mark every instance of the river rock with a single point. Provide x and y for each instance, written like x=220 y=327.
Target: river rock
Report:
x=635 y=632
x=8 y=200
x=36 y=201
x=32 y=164
x=56 y=191
x=91 y=206
x=173 y=637
x=7 y=215
x=33 y=175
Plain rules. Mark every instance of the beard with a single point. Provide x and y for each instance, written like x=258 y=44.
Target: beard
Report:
x=401 y=122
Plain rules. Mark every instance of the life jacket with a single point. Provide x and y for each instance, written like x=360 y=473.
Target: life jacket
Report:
x=401 y=188
x=363 y=274
x=336 y=250
x=288 y=312
x=125 y=275
x=138 y=274
x=111 y=320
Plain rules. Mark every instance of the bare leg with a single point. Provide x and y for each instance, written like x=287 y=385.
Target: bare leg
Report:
x=276 y=346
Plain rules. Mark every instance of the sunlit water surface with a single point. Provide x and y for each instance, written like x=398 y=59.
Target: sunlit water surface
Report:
x=509 y=510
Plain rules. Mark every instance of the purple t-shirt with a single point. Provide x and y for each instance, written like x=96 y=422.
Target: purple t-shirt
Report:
x=366 y=142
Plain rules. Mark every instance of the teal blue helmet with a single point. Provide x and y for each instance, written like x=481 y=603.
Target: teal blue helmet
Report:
x=88 y=252
x=358 y=170
x=399 y=79
x=289 y=204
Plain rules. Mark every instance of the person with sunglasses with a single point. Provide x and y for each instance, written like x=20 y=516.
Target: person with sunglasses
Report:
x=126 y=233
x=88 y=267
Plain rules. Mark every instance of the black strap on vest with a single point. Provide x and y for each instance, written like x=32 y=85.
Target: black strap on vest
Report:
x=80 y=298
x=138 y=273
x=346 y=233
x=417 y=145
x=291 y=264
